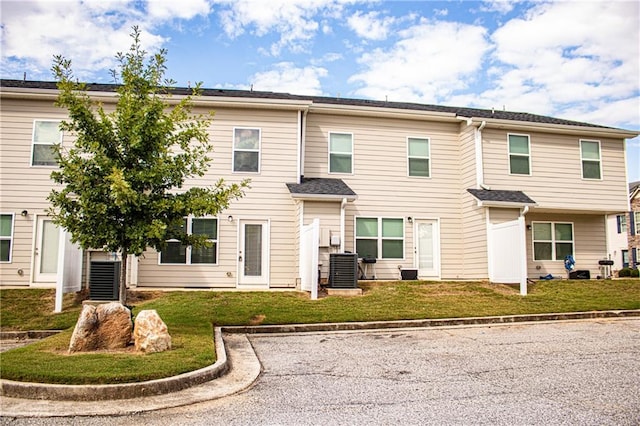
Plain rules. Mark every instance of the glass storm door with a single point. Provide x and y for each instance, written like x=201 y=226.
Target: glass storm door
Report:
x=427 y=251
x=46 y=251
x=253 y=259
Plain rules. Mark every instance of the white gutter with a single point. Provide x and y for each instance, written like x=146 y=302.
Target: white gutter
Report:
x=343 y=205
x=303 y=143
x=523 y=259
x=479 y=157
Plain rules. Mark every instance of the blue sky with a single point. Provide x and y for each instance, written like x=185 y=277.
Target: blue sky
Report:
x=569 y=59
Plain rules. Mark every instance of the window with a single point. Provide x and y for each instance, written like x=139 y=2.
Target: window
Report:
x=46 y=133
x=636 y=216
x=6 y=237
x=621 y=220
x=590 y=156
x=418 y=157
x=552 y=241
x=340 y=153
x=178 y=253
x=246 y=150
x=625 y=258
x=380 y=237
x=519 y=155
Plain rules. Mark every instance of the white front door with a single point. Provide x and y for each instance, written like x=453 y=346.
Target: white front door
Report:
x=253 y=257
x=45 y=259
x=427 y=248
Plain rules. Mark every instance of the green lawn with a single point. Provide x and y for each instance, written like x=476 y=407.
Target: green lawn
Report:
x=191 y=315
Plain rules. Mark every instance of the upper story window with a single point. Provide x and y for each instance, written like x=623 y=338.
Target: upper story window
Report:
x=380 y=238
x=519 y=155
x=178 y=253
x=6 y=237
x=418 y=157
x=590 y=156
x=46 y=133
x=621 y=220
x=340 y=153
x=246 y=150
x=552 y=241
x=637 y=222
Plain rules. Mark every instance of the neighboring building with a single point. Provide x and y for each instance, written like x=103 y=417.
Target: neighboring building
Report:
x=633 y=252
x=455 y=193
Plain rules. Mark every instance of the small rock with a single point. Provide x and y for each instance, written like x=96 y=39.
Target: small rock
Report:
x=84 y=337
x=107 y=326
x=150 y=333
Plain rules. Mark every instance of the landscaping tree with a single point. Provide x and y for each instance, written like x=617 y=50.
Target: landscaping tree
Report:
x=122 y=181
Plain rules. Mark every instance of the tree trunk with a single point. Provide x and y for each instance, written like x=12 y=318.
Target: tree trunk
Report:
x=122 y=295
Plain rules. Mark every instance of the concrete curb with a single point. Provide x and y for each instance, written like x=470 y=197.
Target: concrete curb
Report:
x=377 y=325
x=25 y=335
x=28 y=390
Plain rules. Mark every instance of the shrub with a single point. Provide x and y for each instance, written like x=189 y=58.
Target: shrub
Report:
x=635 y=273
x=624 y=272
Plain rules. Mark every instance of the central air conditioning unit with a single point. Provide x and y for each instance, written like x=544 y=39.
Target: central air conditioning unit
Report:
x=343 y=270
x=104 y=280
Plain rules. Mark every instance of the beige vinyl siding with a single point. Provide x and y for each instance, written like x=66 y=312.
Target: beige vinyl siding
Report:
x=590 y=244
x=329 y=215
x=383 y=187
x=500 y=215
x=472 y=261
x=268 y=199
x=556 y=172
x=23 y=187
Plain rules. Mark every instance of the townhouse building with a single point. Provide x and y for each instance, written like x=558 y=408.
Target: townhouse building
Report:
x=451 y=193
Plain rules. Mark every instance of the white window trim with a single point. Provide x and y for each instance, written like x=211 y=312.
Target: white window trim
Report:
x=509 y=154
x=637 y=223
x=33 y=141
x=623 y=223
x=552 y=241
x=428 y=158
x=9 y=238
x=329 y=153
x=188 y=249
x=582 y=160
x=233 y=150
x=379 y=238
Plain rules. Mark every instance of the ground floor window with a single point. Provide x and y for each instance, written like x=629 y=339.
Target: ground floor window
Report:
x=552 y=240
x=6 y=237
x=625 y=258
x=178 y=253
x=380 y=238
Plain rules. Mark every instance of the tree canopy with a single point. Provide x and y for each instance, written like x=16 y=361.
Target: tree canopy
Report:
x=122 y=181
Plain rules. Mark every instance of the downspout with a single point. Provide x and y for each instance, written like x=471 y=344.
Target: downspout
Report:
x=343 y=206
x=302 y=119
x=479 y=160
x=523 y=260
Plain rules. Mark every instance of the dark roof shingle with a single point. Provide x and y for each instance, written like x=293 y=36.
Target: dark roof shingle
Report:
x=502 y=196
x=458 y=111
x=321 y=186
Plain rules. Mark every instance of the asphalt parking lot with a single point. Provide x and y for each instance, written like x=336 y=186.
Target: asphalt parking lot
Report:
x=567 y=372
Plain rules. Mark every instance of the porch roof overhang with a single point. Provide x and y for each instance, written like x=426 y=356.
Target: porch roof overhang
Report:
x=321 y=189
x=502 y=198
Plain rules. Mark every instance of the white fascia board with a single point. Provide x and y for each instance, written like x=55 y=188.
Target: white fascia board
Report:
x=553 y=128
x=323 y=197
x=373 y=111
x=504 y=204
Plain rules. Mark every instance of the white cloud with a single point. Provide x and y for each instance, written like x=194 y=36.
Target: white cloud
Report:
x=574 y=53
x=183 y=9
x=500 y=6
x=371 y=25
x=286 y=77
x=431 y=62
x=295 y=21
x=89 y=32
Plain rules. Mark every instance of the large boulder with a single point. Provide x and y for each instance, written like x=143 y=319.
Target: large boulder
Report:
x=150 y=333
x=106 y=326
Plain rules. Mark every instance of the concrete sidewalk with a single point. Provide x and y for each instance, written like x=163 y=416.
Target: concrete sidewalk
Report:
x=237 y=369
